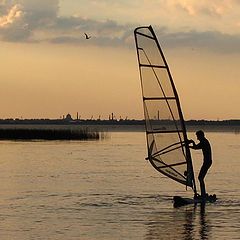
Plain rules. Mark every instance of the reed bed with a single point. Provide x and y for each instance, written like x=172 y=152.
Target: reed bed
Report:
x=50 y=134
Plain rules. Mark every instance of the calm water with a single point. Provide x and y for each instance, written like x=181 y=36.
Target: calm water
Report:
x=107 y=190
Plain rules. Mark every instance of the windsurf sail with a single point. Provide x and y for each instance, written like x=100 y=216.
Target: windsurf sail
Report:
x=166 y=135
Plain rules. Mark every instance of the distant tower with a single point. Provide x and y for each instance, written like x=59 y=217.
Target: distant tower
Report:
x=77 y=115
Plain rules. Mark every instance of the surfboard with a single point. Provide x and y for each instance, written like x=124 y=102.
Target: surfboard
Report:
x=182 y=201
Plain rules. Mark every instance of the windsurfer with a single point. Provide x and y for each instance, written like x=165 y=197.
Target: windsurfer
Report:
x=207 y=158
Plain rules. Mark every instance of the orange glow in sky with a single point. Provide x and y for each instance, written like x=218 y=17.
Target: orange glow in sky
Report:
x=49 y=69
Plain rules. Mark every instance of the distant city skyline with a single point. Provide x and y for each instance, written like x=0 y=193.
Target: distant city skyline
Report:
x=111 y=116
x=48 y=67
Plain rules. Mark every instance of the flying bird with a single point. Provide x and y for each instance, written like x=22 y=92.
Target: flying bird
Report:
x=86 y=36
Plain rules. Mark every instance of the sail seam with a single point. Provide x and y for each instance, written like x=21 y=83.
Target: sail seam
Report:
x=165 y=150
x=152 y=66
x=158 y=98
x=174 y=170
x=142 y=34
x=172 y=165
x=164 y=131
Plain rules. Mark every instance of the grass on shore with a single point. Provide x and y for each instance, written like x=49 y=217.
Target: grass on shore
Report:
x=50 y=134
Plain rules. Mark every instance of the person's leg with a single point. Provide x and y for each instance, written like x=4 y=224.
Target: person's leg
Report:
x=201 y=177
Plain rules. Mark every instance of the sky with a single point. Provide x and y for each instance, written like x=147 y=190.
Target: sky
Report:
x=49 y=69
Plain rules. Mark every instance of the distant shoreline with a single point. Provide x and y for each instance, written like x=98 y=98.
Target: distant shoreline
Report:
x=121 y=127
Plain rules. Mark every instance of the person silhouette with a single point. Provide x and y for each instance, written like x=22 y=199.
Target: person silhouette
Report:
x=207 y=159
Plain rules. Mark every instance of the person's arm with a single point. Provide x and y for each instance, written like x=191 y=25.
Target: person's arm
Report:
x=191 y=142
x=197 y=146
x=194 y=145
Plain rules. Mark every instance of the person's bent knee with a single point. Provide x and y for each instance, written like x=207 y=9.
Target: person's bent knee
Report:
x=200 y=178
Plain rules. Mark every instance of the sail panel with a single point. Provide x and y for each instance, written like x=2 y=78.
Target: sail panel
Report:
x=147 y=45
x=158 y=82
x=162 y=109
x=165 y=129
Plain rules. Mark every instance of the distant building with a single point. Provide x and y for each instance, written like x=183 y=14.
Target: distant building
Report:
x=68 y=117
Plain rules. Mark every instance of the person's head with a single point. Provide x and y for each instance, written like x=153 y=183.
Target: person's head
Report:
x=200 y=135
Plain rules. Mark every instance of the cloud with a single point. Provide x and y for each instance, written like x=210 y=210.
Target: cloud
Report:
x=21 y=18
x=39 y=21
x=211 y=41
x=214 y=8
x=40 y=13
x=12 y=23
x=12 y=15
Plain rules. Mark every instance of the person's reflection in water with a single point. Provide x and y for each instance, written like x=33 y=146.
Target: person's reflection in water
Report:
x=190 y=225
x=172 y=224
x=204 y=226
x=187 y=223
